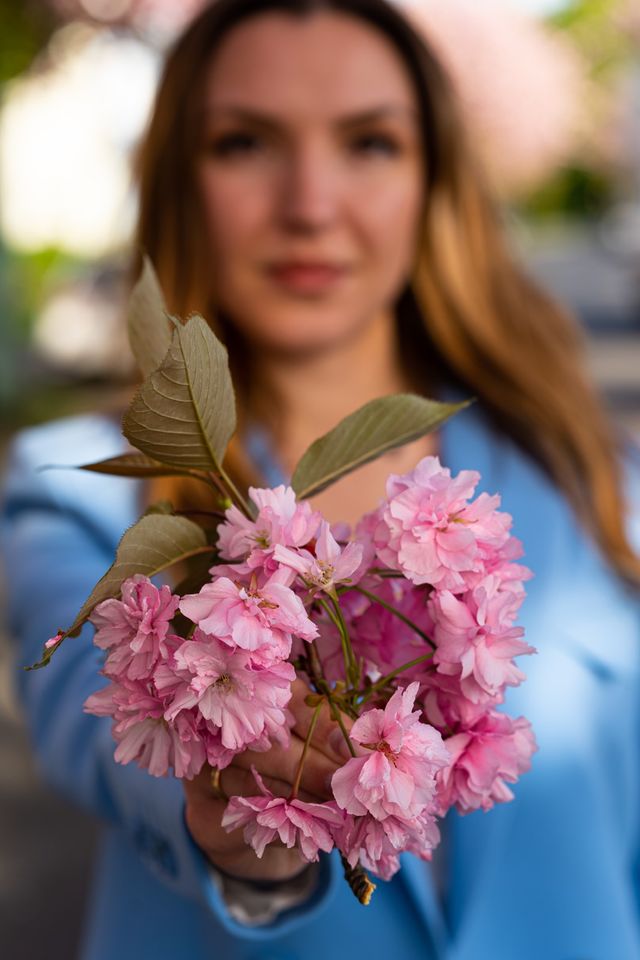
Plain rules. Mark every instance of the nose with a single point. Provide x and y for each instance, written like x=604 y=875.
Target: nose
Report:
x=310 y=195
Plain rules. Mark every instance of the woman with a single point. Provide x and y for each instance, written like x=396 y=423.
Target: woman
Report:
x=305 y=183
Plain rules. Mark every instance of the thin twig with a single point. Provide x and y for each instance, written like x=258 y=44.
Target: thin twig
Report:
x=335 y=713
x=381 y=684
x=397 y=613
x=305 y=750
x=235 y=493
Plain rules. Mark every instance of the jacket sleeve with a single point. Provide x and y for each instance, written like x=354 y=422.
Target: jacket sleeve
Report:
x=58 y=533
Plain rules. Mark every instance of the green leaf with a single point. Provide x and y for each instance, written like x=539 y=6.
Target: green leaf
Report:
x=149 y=324
x=151 y=545
x=378 y=426
x=196 y=573
x=136 y=465
x=184 y=413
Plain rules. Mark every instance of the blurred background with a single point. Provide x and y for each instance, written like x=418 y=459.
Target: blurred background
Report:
x=551 y=90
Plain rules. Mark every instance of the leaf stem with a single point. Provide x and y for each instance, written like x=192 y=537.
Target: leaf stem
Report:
x=196 y=475
x=183 y=556
x=216 y=482
x=335 y=615
x=315 y=665
x=305 y=750
x=236 y=495
x=397 y=613
x=386 y=572
x=218 y=514
x=355 y=678
x=383 y=681
x=335 y=713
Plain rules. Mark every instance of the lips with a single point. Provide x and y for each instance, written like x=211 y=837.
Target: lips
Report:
x=307 y=276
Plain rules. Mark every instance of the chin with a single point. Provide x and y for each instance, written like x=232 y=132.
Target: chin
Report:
x=298 y=347
x=299 y=331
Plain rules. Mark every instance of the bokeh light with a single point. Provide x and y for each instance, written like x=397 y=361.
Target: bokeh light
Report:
x=66 y=131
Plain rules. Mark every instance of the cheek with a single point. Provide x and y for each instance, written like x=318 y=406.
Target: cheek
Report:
x=236 y=209
x=389 y=223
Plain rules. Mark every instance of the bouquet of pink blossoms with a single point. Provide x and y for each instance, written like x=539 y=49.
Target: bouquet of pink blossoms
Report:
x=404 y=628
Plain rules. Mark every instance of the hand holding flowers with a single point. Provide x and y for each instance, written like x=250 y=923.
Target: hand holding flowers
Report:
x=278 y=769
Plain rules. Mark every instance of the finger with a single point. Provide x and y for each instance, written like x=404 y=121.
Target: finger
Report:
x=328 y=738
x=239 y=781
x=201 y=785
x=282 y=765
x=203 y=815
x=212 y=784
x=228 y=850
x=205 y=807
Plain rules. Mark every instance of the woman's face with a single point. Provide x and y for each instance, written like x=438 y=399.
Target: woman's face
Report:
x=311 y=176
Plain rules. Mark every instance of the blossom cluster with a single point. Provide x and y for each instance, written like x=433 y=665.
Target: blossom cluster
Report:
x=407 y=630
x=178 y=702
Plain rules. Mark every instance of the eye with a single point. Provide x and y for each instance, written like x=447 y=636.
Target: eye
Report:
x=238 y=143
x=375 y=143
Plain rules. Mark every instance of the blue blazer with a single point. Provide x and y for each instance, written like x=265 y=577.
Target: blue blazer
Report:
x=554 y=875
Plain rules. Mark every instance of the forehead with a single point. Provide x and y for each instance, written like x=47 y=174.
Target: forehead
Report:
x=328 y=62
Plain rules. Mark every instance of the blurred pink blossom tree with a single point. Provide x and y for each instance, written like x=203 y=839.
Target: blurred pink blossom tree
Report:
x=522 y=86
x=163 y=16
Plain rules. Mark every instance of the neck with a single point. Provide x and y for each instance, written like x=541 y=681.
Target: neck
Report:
x=302 y=397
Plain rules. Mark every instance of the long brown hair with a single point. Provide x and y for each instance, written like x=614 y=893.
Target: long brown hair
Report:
x=478 y=319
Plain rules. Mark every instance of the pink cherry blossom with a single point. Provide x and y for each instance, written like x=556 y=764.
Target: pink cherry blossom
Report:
x=260 y=620
x=379 y=636
x=217 y=754
x=307 y=826
x=364 y=535
x=134 y=629
x=280 y=520
x=159 y=746
x=476 y=639
x=445 y=705
x=397 y=777
x=480 y=44
x=499 y=561
x=329 y=566
x=484 y=758
x=430 y=531
x=142 y=734
x=54 y=641
x=450 y=601
x=341 y=531
x=375 y=844
x=241 y=699
x=328 y=647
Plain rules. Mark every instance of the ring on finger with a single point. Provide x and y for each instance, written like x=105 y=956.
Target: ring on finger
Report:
x=216 y=784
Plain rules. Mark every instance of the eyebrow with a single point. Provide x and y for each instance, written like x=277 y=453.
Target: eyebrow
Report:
x=348 y=120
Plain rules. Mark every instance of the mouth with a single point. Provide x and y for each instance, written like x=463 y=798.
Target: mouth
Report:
x=307 y=276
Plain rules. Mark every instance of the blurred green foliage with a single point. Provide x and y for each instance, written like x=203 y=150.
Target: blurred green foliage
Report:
x=595 y=27
x=25 y=281
x=26 y=278
x=25 y=27
x=586 y=187
x=575 y=192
